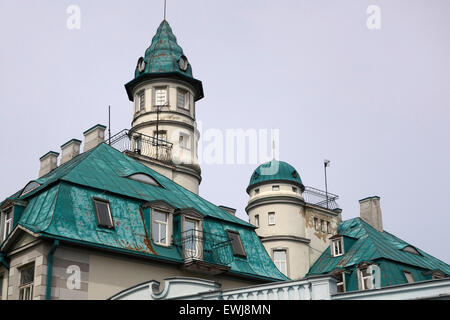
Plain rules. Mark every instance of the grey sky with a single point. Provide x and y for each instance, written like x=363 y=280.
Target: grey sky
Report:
x=374 y=102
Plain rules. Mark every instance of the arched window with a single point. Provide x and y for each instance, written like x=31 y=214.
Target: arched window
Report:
x=30 y=187
x=145 y=178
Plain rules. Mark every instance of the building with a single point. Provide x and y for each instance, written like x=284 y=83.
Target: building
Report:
x=116 y=215
x=294 y=227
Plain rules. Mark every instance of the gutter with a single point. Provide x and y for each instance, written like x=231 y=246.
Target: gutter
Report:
x=48 y=289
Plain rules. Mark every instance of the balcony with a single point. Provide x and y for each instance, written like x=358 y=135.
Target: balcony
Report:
x=205 y=252
x=320 y=198
x=143 y=145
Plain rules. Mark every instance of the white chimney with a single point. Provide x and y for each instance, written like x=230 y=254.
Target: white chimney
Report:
x=70 y=150
x=229 y=210
x=370 y=212
x=93 y=137
x=49 y=161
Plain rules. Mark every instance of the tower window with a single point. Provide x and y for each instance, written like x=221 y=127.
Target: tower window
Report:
x=160 y=227
x=275 y=188
x=294 y=189
x=236 y=243
x=160 y=96
x=104 y=217
x=271 y=218
x=257 y=220
x=184 y=141
x=183 y=99
x=280 y=260
x=160 y=137
x=337 y=247
x=256 y=191
x=142 y=100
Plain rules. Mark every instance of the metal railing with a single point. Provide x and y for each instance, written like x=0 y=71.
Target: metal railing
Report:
x=204 y=246
x=320 y=198
x=142 y=144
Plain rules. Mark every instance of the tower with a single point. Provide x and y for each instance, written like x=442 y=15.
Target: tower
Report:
x=293 y=230
x=163 y=132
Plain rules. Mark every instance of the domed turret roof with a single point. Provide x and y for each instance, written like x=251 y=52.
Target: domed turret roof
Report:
x=164 y=58
x=275 y=171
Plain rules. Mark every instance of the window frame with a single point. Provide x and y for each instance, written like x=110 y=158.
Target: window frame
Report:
x=154 y=183
x=257 y=220
x=316 y=224
x=29 y=286
x=323 y=226
x=7 y=222
x=334 y=252
x=340 y=283
x=141 y=100
x=186 y=99
x=155 y=99
x=95 y=200
x=271 y=214
x=186 y=137
x=166 y=223
x=241 y=254
x=361 y=277
x=285 y=250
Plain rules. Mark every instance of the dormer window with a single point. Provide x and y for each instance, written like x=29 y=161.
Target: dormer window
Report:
x=365 y=277
x=160 y=227
x=411 y=249
x=160 y=96
x=236 y=244
x=145 y=178
x=7 y=218
x=103 y=210
x=337 y=247
x=30 y=187
x=340 y=276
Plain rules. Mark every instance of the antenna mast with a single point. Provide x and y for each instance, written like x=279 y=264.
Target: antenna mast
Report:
x=109 y=124
x=165 y=6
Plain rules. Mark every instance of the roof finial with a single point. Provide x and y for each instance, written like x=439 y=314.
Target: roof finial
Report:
x=165 y=6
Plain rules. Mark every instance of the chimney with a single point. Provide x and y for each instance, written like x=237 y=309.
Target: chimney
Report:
x=49 y=161
x=370 y=212
x=70 y=150
x=93 y=137
x=229 y=210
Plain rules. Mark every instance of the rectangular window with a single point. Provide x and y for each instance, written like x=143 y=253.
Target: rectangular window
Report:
x=275 y=188
x=236 y=243
x=142 y=100
x=161 y=96
x=185 y=142
x=183 y=99
x=340 y=282
x=337 y=247
x=192 y=240
x=409 y=277
x=271 y=218
x=104 y=217
x=257 y=220
x=324 y=225
x=8 y=223
x=26 y=283
x=160 y=227
x=365 y=275
x=280 y=260
x=328 y=227
x=160 y=137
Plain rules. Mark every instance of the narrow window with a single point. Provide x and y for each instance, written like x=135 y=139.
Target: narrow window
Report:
x=26 y=283
x=366 y=278
x=328 y=227
x=8 y=223
x=160 y=227
x=161 y=96
x=337 y=247
x=192 y=240
x=142 y=100
x=236 y=243
x=183 y=100
x=409 y=277
x=257 y=220
x=275 y=188
x=340 y=282
x=271 y=218
x=324 y=225
x=316 y=224
x=138 y=145
x=104 y=217
x=280 y=260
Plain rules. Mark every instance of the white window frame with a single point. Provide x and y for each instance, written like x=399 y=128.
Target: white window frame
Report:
x=341 y=283
x=337 y=247
x=186 y=105
x=166 y=100
x=196 y=250
x=279 y=263
x=271 y=222
x=185 y=145
x=161 y=224
x=361 y=277
x=7 y=227
x=141 y=100
x=26 y=289
x=276 y=187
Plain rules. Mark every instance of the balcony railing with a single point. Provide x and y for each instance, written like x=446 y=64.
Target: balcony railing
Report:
x=320 y=198
x=203 y=246
x=141 y=144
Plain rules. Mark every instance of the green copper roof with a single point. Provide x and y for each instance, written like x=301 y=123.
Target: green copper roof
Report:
x=162 y=60
x=363 y=243
x=275 y=171
x=62 y=208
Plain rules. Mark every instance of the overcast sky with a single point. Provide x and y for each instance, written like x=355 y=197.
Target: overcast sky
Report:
x=374 y=102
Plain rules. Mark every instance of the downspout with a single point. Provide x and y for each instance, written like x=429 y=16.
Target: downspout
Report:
x=48 y=289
